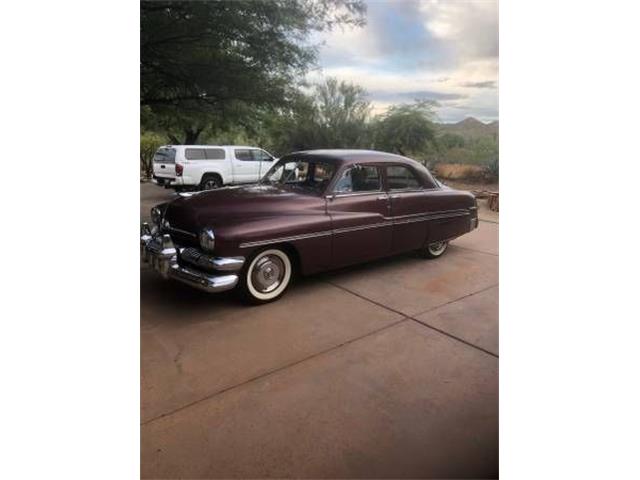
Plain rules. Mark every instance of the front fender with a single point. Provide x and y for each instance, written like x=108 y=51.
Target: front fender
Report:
x=308 y=233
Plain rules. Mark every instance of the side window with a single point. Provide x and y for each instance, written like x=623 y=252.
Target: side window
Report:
x=359 y=179
x=261 y=156
x=402 y=178
x=194 y=153
x=243 y=154
x=214 y=153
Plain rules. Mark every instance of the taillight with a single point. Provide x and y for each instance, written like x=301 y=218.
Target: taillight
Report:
x=179 y=170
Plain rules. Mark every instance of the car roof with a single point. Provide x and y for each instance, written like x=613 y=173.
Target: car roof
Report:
x=210 y=146
x=350 y=156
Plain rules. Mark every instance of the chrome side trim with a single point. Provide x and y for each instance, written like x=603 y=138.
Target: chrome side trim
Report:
x=338 y=231
x=388 y=221
x=354 y=194
x=406 y=190
x=398 y=191
x=292 y=238
x=455 y=212
x=430 y=217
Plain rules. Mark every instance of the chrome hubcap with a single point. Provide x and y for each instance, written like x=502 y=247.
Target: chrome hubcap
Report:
x=437 y=248
x=268 y=273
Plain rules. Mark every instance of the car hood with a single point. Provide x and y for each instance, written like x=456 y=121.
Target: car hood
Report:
x=232 y=204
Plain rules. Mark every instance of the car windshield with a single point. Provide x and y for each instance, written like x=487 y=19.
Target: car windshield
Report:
x=300 y=174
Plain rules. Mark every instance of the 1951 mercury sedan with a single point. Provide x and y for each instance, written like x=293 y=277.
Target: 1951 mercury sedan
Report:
x=312 y=211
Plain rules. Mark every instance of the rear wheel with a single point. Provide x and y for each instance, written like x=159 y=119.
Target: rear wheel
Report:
x=210 y=182
x=435 y=249
x=267 y=276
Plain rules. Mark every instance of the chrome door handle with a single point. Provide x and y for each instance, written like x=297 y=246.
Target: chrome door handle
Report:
x=395 y=196
x=382 y=197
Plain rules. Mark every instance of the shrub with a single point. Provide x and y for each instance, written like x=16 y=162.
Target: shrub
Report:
x=493 y=169
x=149 y=143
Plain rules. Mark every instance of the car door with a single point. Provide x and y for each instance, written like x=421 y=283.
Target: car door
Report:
x=358 y=208
x=245 y=168
x=194 y=165
x=408 y=205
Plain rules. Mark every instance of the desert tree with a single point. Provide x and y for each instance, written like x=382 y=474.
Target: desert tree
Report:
x=203 y=63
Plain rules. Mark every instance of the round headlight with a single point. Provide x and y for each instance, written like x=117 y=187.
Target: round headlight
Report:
x=156 y=216
x=207 y=240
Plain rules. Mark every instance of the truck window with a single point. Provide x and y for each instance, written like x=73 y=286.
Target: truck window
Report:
x=165 y=155
x=261 y=156
x=194 y=153
x=244 y=154
x=214 y=153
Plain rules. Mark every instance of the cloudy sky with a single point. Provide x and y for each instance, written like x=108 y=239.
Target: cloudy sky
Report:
x=445 y=51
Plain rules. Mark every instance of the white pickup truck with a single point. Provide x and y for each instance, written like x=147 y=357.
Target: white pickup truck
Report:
x=204 y=167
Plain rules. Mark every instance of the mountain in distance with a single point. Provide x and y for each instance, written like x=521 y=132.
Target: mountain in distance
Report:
x=471 y=128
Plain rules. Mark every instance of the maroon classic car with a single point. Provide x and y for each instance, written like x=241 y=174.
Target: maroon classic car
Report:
x=313 y=211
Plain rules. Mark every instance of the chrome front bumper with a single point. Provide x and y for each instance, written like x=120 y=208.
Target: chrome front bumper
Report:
x=207 y=273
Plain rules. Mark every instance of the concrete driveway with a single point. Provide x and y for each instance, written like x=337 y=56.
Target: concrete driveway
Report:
x=386 y=370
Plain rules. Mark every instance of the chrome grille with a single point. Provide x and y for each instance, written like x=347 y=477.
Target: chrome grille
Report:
x=191 y=255
x=195 y=257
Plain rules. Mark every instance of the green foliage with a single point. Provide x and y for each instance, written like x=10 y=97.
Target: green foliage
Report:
x=451 y=140
x=334 y=115
x=342 y=114
x=406 y=129
x=493 y=168
x=149 y=143
x=204 y=64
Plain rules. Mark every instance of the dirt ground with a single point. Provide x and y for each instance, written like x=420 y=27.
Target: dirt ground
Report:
x=389 y=369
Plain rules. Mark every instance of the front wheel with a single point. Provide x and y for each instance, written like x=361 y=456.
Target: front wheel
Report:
x=267 y=276
x=435 y=249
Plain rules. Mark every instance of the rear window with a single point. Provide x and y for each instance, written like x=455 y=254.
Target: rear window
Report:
x=402 y=178
x=214 y=153
x=194 y=153
x=165 y=155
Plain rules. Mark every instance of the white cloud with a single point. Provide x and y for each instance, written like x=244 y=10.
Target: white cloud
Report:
x=445 y=50
x=384 y=86
x=470 y=27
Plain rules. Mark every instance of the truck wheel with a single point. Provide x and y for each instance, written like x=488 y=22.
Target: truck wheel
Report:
x=210 y=182
x=266 y=276
x=435 y=249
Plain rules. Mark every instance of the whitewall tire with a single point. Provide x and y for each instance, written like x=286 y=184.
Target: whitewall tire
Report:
x=267 y=276
x=435 y=249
